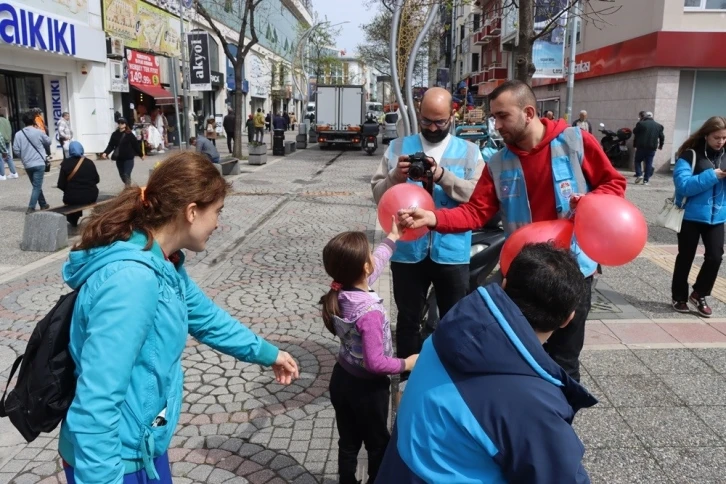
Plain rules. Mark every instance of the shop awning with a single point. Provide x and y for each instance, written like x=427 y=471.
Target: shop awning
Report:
x=161 y=96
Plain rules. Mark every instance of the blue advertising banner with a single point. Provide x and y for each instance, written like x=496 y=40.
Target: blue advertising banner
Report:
x=548 y=52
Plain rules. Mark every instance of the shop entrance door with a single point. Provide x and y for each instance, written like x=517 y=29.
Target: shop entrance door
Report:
x=20 y=92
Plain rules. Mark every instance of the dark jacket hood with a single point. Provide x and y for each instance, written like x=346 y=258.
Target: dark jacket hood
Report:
x=487 y=334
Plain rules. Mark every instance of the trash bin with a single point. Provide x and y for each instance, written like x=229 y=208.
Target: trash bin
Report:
x=278 y=142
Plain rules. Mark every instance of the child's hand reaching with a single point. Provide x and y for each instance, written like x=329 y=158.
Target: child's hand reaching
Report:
x=411 y=362
x=396 y=229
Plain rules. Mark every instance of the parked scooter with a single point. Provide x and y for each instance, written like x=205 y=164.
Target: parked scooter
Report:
x=486 y=247
x=614 y=143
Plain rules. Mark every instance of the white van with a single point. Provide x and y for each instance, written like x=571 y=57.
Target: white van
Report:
x=390 y=131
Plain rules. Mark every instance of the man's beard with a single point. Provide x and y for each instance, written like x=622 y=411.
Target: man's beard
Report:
x=434 y=136
x=515 y=135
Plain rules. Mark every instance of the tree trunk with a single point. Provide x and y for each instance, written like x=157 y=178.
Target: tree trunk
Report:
x=524 y=67
x=238 y=109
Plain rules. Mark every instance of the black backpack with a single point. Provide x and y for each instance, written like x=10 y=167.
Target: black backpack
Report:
x=46 y=383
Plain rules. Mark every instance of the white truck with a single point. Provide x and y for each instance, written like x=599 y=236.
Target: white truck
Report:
x=339 y=112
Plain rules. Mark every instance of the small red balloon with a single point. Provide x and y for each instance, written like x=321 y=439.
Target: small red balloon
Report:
x=609 y=229
x=403 y=196
x=559 y=232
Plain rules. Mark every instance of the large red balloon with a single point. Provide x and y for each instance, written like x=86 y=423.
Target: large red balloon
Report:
x=402 y=196
x=609 y=229
x=559 y=232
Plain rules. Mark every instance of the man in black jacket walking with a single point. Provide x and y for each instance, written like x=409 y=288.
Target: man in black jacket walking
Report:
x=648 y=137
x=228 y=125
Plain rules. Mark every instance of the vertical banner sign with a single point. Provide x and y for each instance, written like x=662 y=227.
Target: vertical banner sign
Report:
x=548 y=52
x=200 y=75
x=58 y=104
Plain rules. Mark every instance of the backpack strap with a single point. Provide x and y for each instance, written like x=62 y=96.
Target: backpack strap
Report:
x=10 y=378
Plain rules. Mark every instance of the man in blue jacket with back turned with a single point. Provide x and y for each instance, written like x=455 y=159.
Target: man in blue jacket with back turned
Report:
x=485 y=403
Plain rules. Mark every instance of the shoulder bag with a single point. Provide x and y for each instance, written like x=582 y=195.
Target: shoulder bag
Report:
x=671 y=216
x=76 y=168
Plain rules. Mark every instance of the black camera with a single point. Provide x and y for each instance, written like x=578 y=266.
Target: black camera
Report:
x=420 y=167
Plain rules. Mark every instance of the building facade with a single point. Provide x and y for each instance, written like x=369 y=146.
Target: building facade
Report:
x=662 y=56
x=52 y=57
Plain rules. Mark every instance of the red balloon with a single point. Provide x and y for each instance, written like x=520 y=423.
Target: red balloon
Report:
x=609 y=229
x=558 y=232
x=402 y=196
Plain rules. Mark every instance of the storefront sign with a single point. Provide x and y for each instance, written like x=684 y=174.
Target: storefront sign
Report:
x=142 y=26
x=260 y=76
x=143 y=69
x=35 y=29
x=199 y=68
x=58 y=101
x=217 y=79
x=548 y=52
x=119 y=71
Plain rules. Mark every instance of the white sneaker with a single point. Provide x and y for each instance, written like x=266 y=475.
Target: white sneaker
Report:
x=13 y=175
x=2 y=177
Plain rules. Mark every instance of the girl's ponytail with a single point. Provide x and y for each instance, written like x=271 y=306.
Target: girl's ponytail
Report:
x=329 y=302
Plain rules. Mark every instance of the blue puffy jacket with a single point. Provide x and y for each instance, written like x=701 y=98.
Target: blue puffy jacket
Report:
x=486 y=405
x=129 y=329
x=706 y=202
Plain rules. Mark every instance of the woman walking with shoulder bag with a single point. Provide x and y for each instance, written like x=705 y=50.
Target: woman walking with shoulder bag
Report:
x=123 y=147
x=703 y=185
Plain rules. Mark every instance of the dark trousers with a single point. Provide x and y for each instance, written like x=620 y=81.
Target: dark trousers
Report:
x=361 y=412
x=647 y=157
x=250 y=135
x=410 y=287
x=565 y=344
x=230 y=140
x=125 y=167
x=688 y=237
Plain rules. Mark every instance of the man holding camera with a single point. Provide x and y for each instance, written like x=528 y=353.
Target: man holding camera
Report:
x=449 y=168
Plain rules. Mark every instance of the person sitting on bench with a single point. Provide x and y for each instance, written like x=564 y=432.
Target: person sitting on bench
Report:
x=205 y=147
x=78 y=178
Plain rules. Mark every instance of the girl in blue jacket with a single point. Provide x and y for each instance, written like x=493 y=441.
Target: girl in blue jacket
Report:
x=704 y=187
x=135 y=309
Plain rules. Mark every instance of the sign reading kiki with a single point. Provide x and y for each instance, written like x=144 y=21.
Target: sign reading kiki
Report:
x=200 y=76
x=35 y=29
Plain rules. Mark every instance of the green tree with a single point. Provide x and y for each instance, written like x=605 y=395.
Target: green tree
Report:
x=249 y=8
x=320 y=53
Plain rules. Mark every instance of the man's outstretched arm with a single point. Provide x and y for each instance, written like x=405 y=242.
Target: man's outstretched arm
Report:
x=471 y=215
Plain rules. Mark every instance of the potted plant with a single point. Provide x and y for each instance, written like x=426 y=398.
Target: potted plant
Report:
x=257 y=153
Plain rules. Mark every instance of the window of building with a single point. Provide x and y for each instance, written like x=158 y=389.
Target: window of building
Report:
x=705 y=4
x=476 y=23
x=475 y=62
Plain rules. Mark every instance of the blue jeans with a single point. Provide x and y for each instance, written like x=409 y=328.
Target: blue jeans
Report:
x=35 y=175
x=11 y=165
x=647 y=157
x=125 y=167
x=139 y=477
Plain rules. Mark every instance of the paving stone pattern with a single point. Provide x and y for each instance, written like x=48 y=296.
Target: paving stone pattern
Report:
x=660 y=418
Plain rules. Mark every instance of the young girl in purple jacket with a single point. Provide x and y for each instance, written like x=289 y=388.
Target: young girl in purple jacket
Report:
x=360 y=386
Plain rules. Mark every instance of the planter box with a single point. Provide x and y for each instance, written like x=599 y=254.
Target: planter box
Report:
x=257 y=149
x=257 y=159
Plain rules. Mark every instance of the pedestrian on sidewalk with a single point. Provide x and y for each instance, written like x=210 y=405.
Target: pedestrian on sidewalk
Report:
x=360 y=387
x=228 y=124
x=30 y=143
x=278 y=123
x=250 y=128
x=293 y=121
x=210 y=130
x=485 y=403
x=703 y=187
x=648 y=136
x=540 y=175
x=6 y=155
x=123 y=147
x=259 y=126
x=136 y=308
x=268 y=120
x=78 y=179
x=65 y=133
